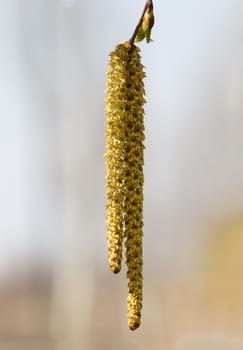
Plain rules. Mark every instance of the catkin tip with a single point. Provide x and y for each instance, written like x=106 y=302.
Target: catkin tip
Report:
x=134 y=311
x=115 y=268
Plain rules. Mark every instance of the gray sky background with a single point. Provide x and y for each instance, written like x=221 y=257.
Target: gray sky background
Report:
x=53 y=58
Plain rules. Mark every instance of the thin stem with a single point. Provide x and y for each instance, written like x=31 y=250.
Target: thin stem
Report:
x=148 y=3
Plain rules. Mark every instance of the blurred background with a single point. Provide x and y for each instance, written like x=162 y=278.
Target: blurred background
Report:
x=56 y=290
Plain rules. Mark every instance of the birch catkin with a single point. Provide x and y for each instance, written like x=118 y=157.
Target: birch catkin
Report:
x=124 y=169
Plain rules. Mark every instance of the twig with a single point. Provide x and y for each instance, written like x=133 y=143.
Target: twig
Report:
x=148 y=3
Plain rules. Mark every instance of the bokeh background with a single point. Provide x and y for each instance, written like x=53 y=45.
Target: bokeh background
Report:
x=56 y=290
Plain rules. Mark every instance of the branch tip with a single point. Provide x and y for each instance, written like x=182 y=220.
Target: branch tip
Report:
x=148 y=5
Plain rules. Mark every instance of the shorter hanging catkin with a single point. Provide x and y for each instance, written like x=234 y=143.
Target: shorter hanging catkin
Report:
x=124 y=169
x=115 y=153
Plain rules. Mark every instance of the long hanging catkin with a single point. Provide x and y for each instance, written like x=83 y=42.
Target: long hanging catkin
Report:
x=133 y=206
x=124 y=169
